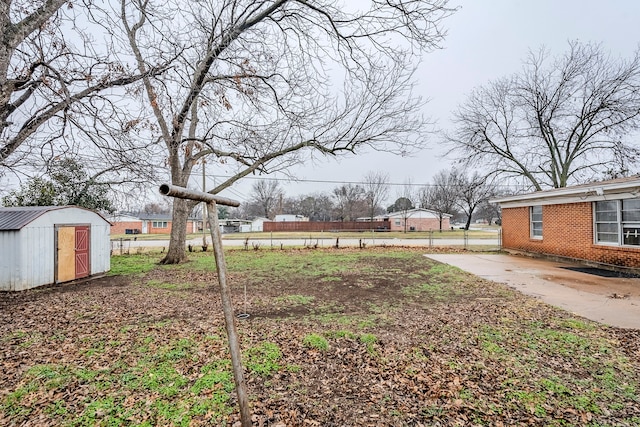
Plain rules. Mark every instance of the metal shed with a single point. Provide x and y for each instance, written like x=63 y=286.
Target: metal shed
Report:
x=41 y=245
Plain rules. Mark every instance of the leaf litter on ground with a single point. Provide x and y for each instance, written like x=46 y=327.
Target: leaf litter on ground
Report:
x=399 y=340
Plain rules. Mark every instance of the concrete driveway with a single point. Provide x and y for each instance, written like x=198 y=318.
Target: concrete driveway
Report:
x=609 y=300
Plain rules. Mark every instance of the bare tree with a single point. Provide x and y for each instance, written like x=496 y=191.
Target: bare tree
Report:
x=556 y=122
x=59 y=91
x=251 y=87
x=442 y=195
x=267 y=195
x=472 y=191
x=316 y=206
x=489 y=212
x=350 y=201
x=376 y=189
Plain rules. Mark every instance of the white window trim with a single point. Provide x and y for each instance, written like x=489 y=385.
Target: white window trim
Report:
x=531 y=235
x=595 y=226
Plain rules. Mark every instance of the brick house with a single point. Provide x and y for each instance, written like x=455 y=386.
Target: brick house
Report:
x=124 y=223
x=416 y=220
x=596 y=223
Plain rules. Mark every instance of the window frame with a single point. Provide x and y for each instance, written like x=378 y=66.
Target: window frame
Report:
x=163 y=224
x=532 y=222
x=621 y=224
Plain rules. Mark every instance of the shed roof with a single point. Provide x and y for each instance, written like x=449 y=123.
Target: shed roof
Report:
x=15 y=218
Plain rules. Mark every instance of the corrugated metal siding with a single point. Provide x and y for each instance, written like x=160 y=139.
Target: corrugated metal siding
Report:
x=10 y=267
x=38 y=256
x=100 y=248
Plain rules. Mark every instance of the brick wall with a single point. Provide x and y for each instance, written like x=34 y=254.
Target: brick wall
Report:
x=158 y=230
x=567 y=231
x=120 y=227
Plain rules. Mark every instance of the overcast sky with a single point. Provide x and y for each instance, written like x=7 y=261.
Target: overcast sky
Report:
x=486 y=39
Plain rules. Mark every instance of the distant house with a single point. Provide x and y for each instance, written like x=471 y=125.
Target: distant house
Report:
x=290 y=218
x=41 y=245
x=257 y=225
x=595 y=223
x=232 y=225
x=416 y=220
x=149 y=224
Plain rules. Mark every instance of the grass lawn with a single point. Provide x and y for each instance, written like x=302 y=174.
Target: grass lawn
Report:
x=379 y=337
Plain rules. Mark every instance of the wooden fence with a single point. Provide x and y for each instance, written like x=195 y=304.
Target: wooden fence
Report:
x=326 y=226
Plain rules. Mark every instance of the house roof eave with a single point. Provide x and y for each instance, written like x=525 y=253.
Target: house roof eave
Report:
x=597 y=191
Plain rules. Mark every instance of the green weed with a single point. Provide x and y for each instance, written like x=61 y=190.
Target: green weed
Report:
x=296 y=299
x=316 y=341
x=263 y=358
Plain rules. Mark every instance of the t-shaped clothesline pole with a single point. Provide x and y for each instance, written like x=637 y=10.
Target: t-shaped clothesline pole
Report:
x=225 y=294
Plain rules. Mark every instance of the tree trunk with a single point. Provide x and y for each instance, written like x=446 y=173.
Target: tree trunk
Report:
x=176 y=253
x=468 y=224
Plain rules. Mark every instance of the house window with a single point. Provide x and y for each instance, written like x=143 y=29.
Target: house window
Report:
x=606 y=218
x=631 y=222
x=397 y=222
x=159 y=224
x=618 y=222
x=535 y=215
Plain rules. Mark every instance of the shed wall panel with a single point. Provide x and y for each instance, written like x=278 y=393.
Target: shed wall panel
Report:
x=10 y=268
x=37 y=257
x=100 y=248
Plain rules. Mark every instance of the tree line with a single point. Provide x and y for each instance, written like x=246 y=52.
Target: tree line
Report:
x=451 y=192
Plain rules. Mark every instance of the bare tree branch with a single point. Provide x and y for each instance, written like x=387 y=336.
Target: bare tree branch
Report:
x=555 y=123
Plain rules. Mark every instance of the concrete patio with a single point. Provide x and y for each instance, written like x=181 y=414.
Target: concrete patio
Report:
x=613 y=301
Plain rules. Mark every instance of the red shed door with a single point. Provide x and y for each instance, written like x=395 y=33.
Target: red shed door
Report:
x=82 y=252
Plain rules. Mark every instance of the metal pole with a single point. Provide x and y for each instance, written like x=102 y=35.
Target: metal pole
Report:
x=204 y=205
x=225 y=294
x=198 y=196
x=229 y=319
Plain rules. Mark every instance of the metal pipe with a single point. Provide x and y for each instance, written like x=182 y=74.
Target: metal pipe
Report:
x=200 y=196
x=229 y=318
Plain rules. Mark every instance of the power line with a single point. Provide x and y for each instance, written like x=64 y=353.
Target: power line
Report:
x=321 y=181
